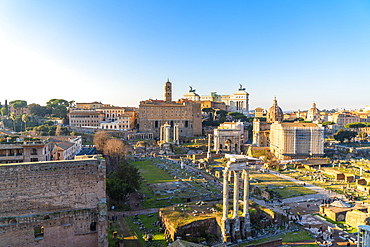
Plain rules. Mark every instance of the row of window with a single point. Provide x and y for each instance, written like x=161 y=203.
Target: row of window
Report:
x=172 y=123
x=116 y=126
x=84 y=121
x=84 y=116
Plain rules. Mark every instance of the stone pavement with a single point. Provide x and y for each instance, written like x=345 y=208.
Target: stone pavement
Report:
x=321 y=192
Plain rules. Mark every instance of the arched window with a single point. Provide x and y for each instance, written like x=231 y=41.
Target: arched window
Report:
x=93 y=226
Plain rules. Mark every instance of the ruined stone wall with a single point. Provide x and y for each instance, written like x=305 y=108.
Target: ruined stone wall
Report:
x=199 y=228
x=355 y=218
x=66 y=198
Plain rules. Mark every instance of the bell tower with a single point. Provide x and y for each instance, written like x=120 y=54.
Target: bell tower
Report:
x=168 y=91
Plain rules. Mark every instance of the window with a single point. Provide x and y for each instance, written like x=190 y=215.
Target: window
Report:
x=39 y=232
x=34 y=151
x=93 y=227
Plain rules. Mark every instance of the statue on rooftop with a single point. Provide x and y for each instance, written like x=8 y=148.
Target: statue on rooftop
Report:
x=191 y=90
x=241 y=87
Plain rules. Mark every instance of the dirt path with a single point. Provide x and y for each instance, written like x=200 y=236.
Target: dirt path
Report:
x=132 y=213
x=129 y=236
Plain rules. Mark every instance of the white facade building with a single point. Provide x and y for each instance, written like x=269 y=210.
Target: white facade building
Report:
x=237 y=102
x=296 y=140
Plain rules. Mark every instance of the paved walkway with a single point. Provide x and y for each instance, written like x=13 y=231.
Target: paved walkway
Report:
x=321 y=192
x=311 y=223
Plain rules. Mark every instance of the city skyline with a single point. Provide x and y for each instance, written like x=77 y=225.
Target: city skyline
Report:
x=122 y=52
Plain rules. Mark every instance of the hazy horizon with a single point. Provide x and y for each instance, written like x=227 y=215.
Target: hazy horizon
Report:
x=122 y=52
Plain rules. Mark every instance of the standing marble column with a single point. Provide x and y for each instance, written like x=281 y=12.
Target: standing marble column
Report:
x=247 y=221
x=166 y=130
x=216 y=143
x=225 y=203
x=246 y=192
x=176 y=134
x=209 y=146
x=236 y=194
x=161 y=134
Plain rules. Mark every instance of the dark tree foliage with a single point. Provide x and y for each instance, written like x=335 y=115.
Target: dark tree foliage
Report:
x=222 y=113
x=326 y=123
x=208 y=110
x=210 y=123
x=49 y=129
x=58 y=107
x=125 y=180
x=262 y=119
x=240 y=116
x=342 y=135
x=355 y=125
x=16 y=104
x=298 y=119
x=37 y=110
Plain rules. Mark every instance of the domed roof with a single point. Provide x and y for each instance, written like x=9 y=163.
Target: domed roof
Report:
x=275 y=113
x=313 y=114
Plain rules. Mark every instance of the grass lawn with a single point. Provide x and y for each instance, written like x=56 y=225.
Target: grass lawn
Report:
x=151 y=173
x=287 y=238
x=282 y=187
x=158 y=237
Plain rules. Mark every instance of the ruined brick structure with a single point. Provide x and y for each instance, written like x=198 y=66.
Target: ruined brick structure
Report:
x=55 y=203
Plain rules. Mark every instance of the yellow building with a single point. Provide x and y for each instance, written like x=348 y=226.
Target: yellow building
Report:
x=85 y=118
x=103 y=116
x=261 y=129
x=89 y=106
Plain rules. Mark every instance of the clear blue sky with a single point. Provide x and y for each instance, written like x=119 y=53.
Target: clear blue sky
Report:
x=121 y=52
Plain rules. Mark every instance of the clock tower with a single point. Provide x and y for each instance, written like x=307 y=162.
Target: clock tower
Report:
x=168 y=91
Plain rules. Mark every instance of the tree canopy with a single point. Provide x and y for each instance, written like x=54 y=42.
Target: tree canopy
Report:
x=355 y=125
x=238 y=116
x=4 y=111
x=326 y=123
x=114 y=152
x=100 y=138
x=58 y=107
x=16 y=104
x=123 y=181
x=208 y=110
x=57 y=102
x=342 y=135
x=38 y=110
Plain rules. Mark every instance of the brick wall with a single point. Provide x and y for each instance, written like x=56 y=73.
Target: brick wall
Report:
x=66 y=198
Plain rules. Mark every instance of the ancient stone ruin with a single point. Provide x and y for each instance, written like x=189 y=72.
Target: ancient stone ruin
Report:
x=53 y=203
x=237 y=227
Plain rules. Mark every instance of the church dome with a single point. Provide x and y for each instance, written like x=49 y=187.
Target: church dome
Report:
x=313 y=114
x=275 y=113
